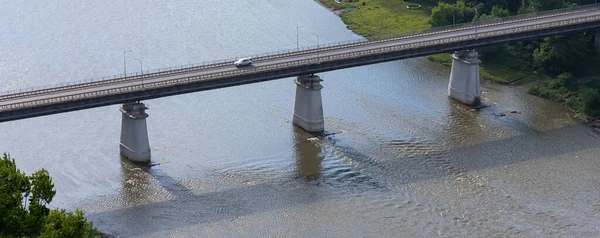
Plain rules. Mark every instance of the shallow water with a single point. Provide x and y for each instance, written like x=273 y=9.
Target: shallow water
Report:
x=404 y=159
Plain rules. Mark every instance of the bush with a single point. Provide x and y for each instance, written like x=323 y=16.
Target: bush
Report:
x=60 y=223
x=534 y=90
x=591 y=102
x=561 y=81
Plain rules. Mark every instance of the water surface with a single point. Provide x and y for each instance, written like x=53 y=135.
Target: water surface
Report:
x=405 y=160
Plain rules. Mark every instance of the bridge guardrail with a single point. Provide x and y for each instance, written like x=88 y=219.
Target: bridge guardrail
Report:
x=267 y=68
x=285 y=53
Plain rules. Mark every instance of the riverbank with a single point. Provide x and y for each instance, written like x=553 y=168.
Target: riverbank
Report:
x=375 y=19
x=371 y=19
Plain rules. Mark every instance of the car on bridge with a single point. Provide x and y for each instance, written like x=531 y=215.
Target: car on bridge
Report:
x=242 y=62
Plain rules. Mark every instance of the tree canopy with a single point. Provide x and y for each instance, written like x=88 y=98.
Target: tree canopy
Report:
x=446 y=14
x=555 y=56
x=23 y=206
x=560 y=54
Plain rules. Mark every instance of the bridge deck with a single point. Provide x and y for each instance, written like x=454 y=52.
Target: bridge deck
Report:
x=309 y=61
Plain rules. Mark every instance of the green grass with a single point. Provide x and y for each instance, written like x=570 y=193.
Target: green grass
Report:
x=501 y=73
x=576 y=95
x=443 y=58
x=379 y=18
x=494 y=70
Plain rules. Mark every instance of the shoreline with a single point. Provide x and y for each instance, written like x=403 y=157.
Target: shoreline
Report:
x=337 y=12
x=594 y=123
x=500 y=76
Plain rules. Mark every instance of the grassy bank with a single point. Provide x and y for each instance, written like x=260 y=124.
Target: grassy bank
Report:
x=371 y=18
x=495 y=70
x=381 y=17
x=581 y=95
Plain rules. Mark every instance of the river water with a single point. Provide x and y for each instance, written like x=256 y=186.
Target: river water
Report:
x=404 y=159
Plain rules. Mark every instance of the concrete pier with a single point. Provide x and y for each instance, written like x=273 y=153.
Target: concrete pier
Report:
x=464 y=84
x=308 y=106
x=134 y=133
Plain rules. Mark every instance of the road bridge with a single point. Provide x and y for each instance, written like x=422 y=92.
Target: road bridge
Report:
x=304 y=64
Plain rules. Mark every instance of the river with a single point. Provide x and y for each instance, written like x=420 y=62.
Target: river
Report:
x=404 y=160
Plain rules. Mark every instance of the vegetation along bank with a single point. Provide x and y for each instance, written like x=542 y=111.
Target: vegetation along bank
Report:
x=24 y=210
x=560 y=68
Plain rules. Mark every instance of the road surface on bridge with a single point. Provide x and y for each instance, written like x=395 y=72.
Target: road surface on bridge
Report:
x=9 y=102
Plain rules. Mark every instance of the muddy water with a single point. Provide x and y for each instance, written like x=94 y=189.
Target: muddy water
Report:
x=402 y=159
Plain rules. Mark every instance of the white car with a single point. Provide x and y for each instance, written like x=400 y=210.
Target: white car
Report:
x=242 y=62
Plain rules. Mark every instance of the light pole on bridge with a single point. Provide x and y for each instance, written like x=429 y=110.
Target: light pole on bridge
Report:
x=476 y=14
x=453 y=14
x=141 y=71
x=318 y=61
x=125 y=62
x=297 y=39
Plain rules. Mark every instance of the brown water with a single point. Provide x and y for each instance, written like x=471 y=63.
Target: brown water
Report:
x=405 y=160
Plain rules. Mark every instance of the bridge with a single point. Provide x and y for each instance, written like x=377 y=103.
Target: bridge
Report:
x=303 y=64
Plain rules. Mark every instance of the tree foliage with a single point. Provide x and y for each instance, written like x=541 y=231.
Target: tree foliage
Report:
x=498 y=11
x=591 y=102
x=447 y=14
x=23 y=206
x=561 y=54
x=557 y=56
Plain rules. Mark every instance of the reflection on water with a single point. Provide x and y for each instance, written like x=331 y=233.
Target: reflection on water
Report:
x=136 y=184
x=308 y=154
x=409 y=161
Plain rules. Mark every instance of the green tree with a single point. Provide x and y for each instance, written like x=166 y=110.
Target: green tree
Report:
x=563 y=80
x=562 y=53
x=23 y=206
x=61 y=223
x=498 y=11
x=529 y=6
x=486 y=5
x=14 y=185
x=445 y=14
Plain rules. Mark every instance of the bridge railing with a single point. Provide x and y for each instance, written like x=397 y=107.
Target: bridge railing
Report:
x=267 y=68
x=283 y=53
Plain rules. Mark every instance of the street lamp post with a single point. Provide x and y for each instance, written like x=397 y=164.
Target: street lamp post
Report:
x=453 y=14
x=125 y=62
x=141 y=71
x=297 y=39
x=476 y=14
x=318 y=61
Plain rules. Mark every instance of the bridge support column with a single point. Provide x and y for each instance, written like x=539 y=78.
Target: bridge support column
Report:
x=134 y=133
x=308 y=106
x=464 y=77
